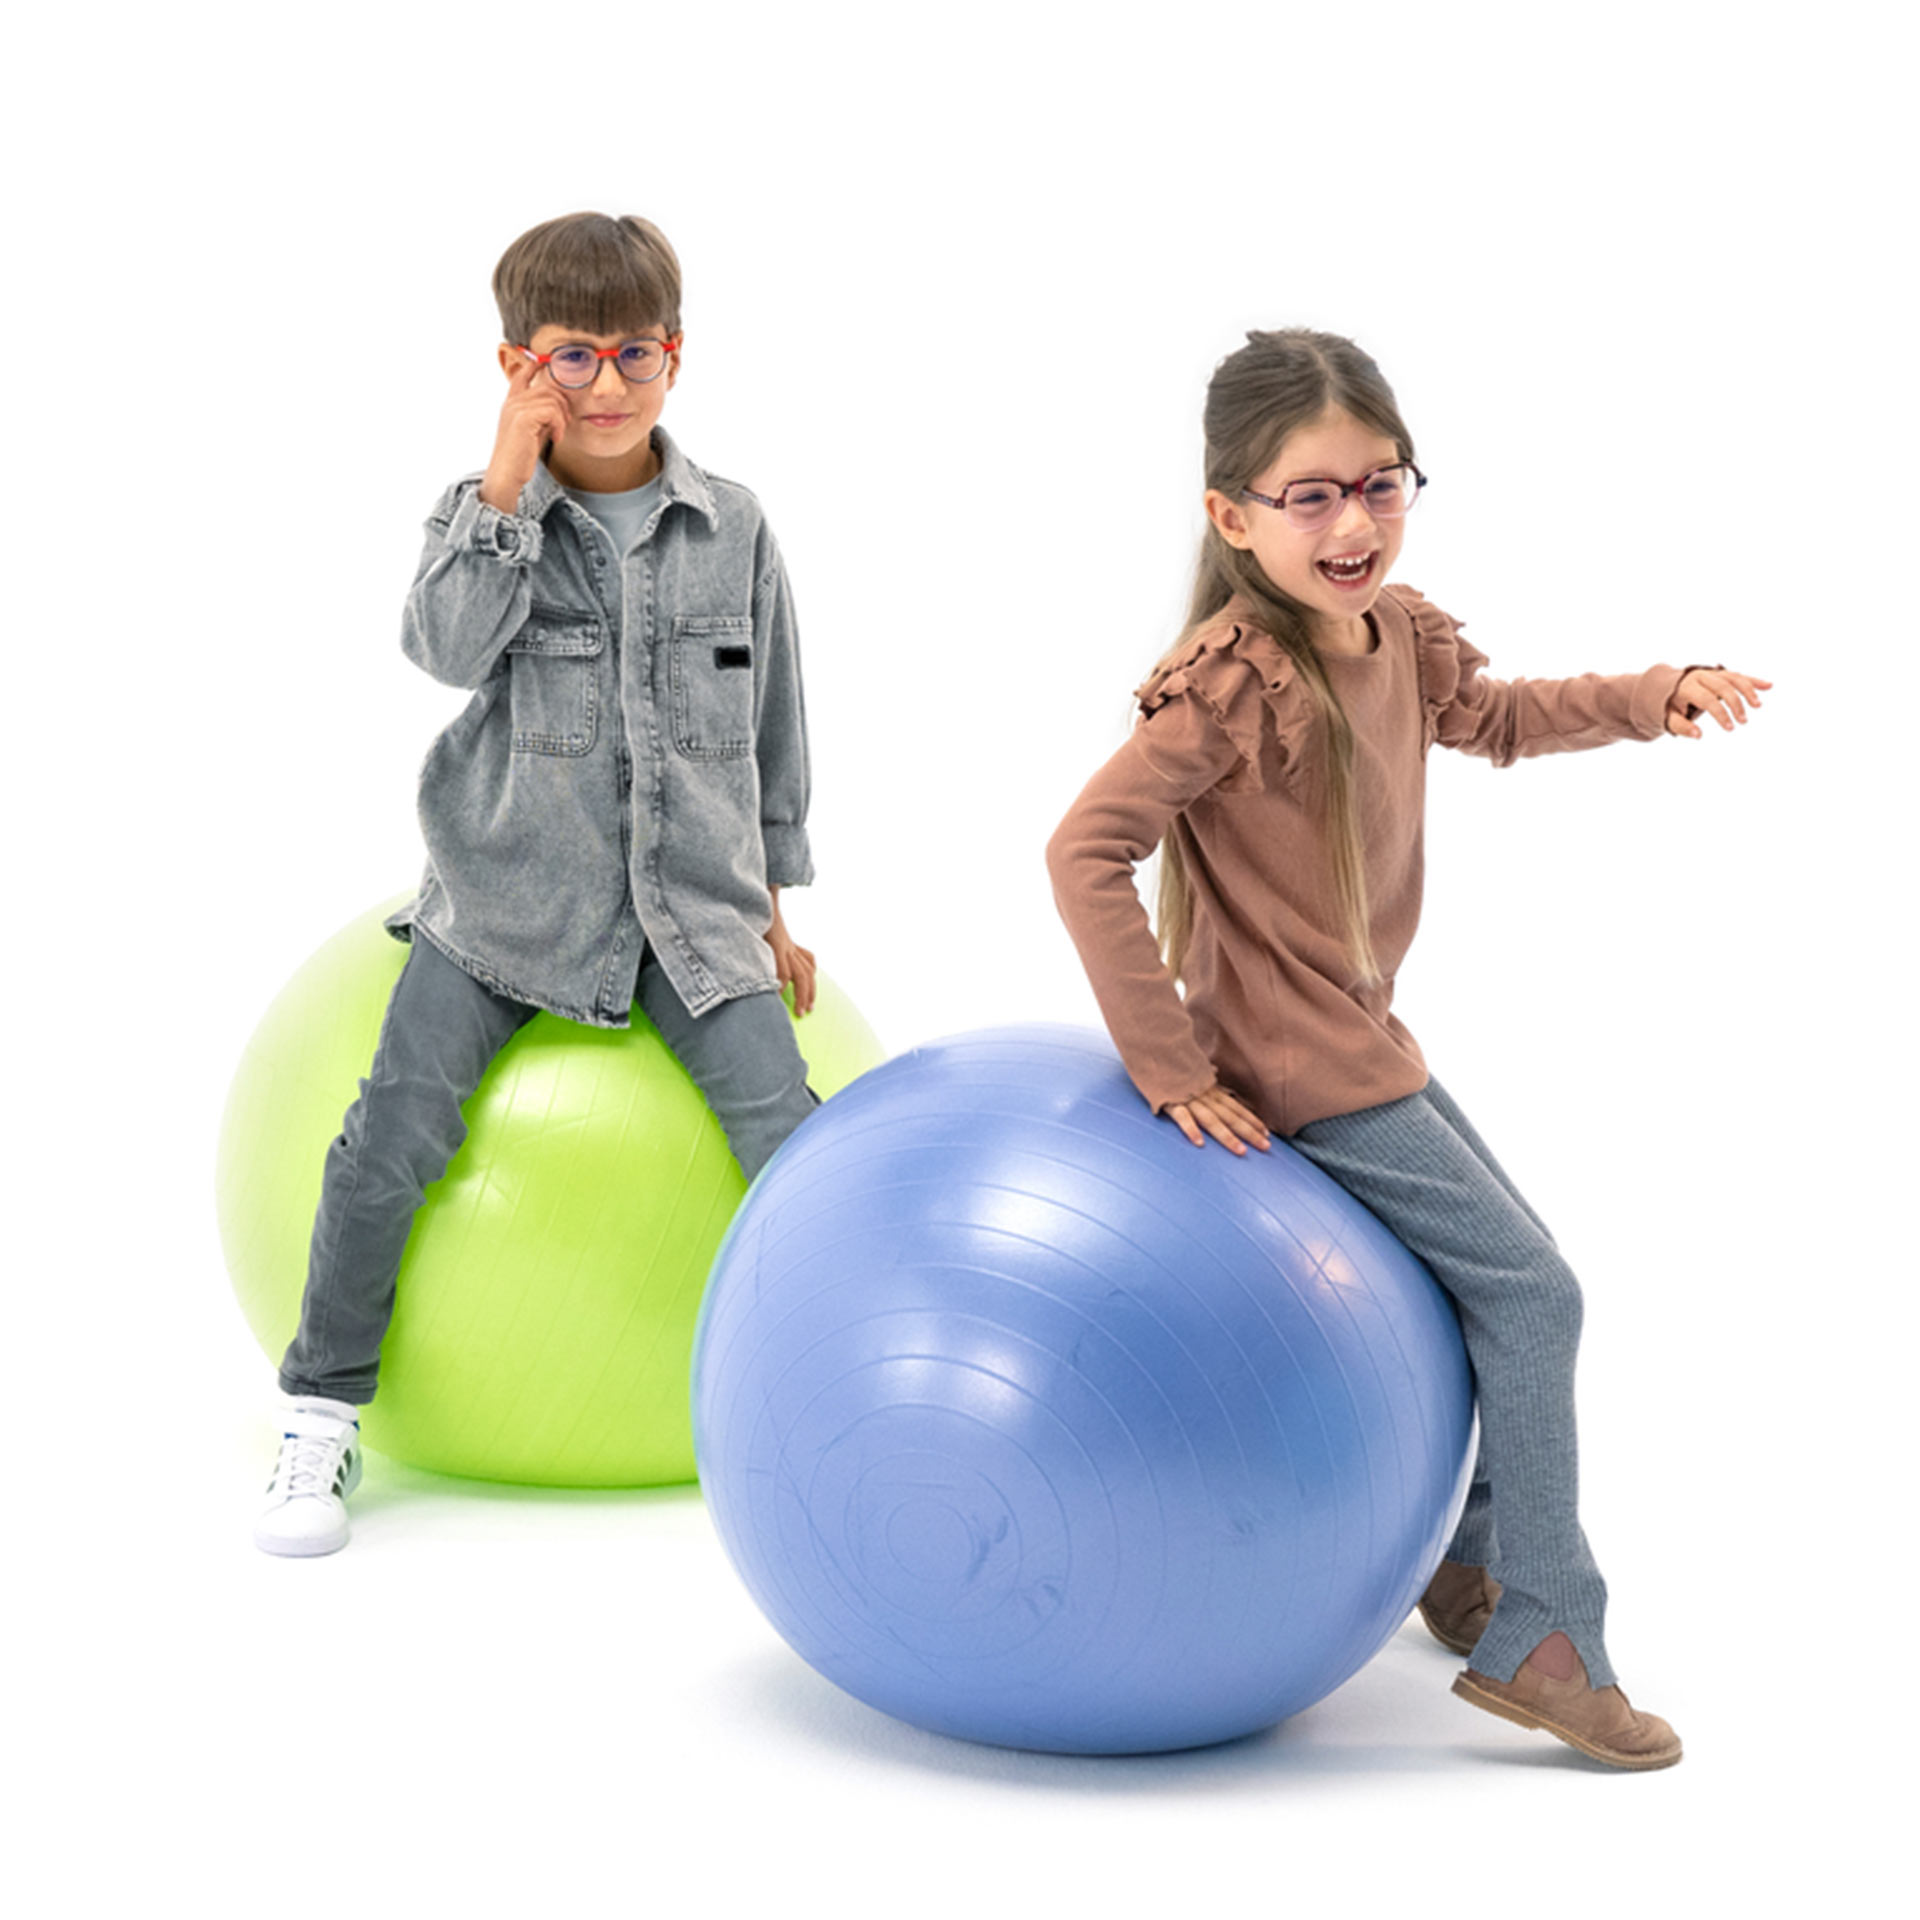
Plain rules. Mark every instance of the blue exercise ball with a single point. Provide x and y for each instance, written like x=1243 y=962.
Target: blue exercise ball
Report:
x=1026 y=1421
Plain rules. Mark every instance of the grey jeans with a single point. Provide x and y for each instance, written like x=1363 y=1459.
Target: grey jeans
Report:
x=1418 y=1164
x=442 y=1030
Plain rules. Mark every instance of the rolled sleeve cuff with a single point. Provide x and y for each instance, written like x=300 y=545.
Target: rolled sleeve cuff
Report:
x=789 y=857
x=508 y=537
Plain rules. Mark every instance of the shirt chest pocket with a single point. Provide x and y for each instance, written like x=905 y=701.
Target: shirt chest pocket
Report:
x=554 y=669
x=711 y=668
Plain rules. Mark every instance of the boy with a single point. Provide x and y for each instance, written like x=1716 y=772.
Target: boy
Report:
x=612 y=817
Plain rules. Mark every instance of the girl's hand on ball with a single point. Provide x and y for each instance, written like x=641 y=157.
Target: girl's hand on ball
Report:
x=1715 y=690
x=1221 y=1114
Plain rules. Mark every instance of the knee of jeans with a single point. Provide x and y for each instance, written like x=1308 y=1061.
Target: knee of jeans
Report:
x=418 y=1126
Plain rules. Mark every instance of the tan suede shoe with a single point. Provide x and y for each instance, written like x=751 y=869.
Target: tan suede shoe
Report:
x=1597 y=1720
x=1458 y=1603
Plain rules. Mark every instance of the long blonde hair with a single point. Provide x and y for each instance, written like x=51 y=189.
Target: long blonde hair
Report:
x=1273 y=386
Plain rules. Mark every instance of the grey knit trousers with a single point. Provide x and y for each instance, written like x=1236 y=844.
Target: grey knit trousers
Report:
x=442 y=1030
x=1418 y=1164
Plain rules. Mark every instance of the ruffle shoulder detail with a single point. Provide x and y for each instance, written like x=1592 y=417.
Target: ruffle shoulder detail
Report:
x=1446 y=659
x=1242 y=677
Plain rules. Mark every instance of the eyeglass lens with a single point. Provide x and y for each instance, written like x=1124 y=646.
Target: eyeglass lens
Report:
x=639 y=360
x=1387 y=494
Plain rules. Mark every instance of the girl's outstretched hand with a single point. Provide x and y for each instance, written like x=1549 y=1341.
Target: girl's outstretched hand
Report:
x=1715 y=690
x=1234 y=1125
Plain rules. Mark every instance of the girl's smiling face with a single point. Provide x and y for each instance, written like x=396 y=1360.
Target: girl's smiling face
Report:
x=1337 y=571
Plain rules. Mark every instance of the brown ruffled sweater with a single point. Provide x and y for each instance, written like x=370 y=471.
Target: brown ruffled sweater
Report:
x=1223 y=754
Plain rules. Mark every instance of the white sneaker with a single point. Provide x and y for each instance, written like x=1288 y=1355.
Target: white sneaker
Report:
x=319 y=1465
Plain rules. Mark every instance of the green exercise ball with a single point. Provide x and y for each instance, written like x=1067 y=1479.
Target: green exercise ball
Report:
x=543 y=1330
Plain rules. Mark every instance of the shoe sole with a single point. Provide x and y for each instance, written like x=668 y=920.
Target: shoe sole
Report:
x=301 y=1549
x=1611 y=1756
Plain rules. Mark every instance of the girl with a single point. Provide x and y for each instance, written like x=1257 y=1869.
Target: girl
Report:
x=1279 y=763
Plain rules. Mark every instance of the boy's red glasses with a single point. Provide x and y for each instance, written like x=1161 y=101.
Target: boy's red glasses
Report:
x=579 y=366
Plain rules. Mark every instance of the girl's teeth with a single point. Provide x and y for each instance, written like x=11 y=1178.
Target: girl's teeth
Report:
x=1349 y=569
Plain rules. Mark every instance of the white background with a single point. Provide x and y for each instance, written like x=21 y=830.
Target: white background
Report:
x=955 y=281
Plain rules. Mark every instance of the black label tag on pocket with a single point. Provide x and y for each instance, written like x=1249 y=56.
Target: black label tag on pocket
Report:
x=733 y=656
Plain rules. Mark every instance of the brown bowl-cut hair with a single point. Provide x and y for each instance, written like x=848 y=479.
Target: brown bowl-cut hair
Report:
x=592 y=271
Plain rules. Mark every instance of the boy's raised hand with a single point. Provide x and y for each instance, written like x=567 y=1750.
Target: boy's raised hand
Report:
x=1715 y=690
x=534 y=413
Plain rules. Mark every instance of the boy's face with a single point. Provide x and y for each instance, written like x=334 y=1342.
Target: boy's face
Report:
x=610 y=433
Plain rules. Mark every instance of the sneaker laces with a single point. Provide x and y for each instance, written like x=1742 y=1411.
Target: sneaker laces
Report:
x=309 y=1462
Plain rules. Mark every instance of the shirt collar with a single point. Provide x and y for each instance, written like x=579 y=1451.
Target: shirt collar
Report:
x=680 y=479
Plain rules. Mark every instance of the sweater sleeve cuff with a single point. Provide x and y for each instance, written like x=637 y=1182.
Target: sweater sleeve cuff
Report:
x=510 y=538
x=1652 y=695
x=1177 y=1076
x=1186 y=1099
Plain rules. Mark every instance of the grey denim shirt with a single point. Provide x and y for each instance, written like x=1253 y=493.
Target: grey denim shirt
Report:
x=632 y=768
